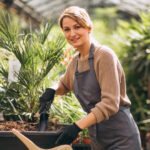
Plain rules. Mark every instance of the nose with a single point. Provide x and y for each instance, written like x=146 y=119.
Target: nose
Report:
x=72 y=33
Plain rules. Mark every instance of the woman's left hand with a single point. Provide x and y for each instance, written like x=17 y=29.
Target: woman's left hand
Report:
x=67 y=134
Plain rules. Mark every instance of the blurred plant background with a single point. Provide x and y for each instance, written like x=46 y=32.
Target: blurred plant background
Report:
x=135 y=37
x=34 y=48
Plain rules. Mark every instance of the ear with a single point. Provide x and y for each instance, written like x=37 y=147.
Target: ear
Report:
x=89 y=29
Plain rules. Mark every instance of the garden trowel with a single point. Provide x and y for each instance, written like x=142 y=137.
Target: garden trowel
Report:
x=31 y=146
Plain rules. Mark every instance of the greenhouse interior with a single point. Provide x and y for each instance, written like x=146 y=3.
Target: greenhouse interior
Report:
x=42 y=102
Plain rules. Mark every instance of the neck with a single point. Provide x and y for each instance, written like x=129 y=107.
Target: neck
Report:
x=84 y=50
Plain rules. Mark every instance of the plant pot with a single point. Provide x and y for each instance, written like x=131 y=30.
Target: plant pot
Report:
x=81 y=146
x=8 y=141
x=46 y=139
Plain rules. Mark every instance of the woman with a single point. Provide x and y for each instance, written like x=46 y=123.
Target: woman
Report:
x=98 y=81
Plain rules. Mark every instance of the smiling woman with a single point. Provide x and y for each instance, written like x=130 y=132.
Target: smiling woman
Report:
x=97 y=79
x=75 y=34
x=77 y=26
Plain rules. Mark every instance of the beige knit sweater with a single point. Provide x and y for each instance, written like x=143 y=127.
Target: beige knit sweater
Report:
x=110 y=76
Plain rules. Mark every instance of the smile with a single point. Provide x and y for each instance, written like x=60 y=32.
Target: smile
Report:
x=74 y=40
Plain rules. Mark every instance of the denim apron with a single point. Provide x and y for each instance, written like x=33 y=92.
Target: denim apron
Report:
x=119 y=132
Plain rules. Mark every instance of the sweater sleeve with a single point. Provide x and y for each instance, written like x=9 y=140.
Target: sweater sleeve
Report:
x=110 y=87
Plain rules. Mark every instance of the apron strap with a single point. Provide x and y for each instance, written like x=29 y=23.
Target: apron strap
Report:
x=76 y=70
x=90 y=59
x=91 y=51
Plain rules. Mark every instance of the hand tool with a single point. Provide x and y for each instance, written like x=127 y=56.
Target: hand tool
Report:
x=31 y=146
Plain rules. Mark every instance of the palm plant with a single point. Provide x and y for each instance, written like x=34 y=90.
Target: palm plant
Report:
x=38 y=52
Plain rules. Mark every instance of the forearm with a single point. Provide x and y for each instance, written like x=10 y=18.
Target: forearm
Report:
x=87 y=121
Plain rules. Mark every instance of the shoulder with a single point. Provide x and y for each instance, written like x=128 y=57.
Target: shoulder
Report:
x=104 y=53
x=102 y=50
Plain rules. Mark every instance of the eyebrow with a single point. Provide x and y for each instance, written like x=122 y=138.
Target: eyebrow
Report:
x=73 y=25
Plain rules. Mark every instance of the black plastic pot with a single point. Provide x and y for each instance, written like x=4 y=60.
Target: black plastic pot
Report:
x=45 y=139
x=8 y=141
x=81 y=146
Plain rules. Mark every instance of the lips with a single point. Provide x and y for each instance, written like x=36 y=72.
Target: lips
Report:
x=74 y=40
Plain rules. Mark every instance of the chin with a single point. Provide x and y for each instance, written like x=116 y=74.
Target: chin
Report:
x=76 y=45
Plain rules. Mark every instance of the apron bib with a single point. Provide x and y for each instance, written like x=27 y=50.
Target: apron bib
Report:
x=119 y=132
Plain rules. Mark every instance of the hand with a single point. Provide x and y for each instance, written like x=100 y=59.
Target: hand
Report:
x=46 y=99
x=48 y=95
x=67 y=134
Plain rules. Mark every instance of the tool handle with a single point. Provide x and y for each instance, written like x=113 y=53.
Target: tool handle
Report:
x=29 y=144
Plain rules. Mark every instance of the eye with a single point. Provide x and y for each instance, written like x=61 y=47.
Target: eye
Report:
x=77 y=27
x=66 y=29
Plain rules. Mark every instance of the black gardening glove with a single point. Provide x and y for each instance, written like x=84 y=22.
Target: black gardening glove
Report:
x=46 y=100
x=67 y=134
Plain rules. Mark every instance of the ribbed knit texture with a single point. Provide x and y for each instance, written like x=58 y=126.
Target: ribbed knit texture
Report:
x=110 y=76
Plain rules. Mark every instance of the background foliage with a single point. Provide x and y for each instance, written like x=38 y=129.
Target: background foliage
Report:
x=37 y=51
x=135 y=57
x=129 y=38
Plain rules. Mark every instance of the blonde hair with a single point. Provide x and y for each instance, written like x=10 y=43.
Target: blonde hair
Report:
x=78 y=14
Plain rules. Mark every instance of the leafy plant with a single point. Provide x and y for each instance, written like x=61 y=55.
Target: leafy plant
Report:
x=66 y=109
x=135 y=37
x=38 y=52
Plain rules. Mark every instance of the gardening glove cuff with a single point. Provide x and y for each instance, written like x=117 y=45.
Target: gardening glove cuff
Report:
x=68 y=134
x=48 y=95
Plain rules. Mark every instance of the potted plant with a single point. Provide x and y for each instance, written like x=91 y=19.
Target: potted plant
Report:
x=37 y=52
x=48 y=137
x=83 y=141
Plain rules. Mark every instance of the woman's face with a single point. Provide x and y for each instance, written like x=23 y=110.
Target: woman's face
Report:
x=75 y=34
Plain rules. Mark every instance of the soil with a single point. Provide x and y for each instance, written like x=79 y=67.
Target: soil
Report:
x=26 y=126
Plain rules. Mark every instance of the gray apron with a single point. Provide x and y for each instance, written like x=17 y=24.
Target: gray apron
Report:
x=119 y=132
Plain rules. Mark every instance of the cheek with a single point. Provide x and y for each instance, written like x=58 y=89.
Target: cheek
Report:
x=66 y=35
x=84 y=32
x=85 y=35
